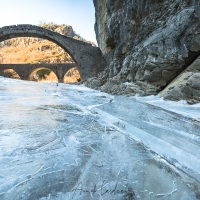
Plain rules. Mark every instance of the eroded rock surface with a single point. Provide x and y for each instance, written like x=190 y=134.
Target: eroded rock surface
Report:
x=186 y=86
x=147 y=44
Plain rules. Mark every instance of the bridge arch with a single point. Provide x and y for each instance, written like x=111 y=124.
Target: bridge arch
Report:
x=33 y=74
x=9 y=73
x=87 y=57
x=72 y=75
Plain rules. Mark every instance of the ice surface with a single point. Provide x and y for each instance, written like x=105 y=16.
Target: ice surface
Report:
x=180 y=107
x=71 y=142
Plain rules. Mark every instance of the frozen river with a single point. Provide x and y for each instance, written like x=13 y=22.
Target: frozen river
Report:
x=70 y=142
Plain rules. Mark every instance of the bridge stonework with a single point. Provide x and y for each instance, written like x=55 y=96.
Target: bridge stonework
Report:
x=88 y=58
x=25 y=70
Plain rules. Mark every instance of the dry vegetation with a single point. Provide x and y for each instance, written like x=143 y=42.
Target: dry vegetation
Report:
x=36 y=51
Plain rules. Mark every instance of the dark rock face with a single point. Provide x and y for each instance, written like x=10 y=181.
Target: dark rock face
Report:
x=186 y=86
x=146 y=43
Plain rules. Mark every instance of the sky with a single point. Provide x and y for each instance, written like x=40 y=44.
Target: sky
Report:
x=79 y=14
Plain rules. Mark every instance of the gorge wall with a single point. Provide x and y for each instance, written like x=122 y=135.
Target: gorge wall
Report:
x=150 y=46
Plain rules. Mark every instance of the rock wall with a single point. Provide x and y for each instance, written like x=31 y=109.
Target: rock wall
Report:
x=147 y=44
x=186 y=86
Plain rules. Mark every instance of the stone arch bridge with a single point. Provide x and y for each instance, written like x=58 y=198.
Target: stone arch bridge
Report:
x=88 y=58
x=25 y=70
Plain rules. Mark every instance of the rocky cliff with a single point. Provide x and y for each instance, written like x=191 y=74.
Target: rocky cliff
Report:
x=147 y=45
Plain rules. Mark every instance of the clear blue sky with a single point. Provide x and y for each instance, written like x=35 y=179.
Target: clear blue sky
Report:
x=77 y=13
